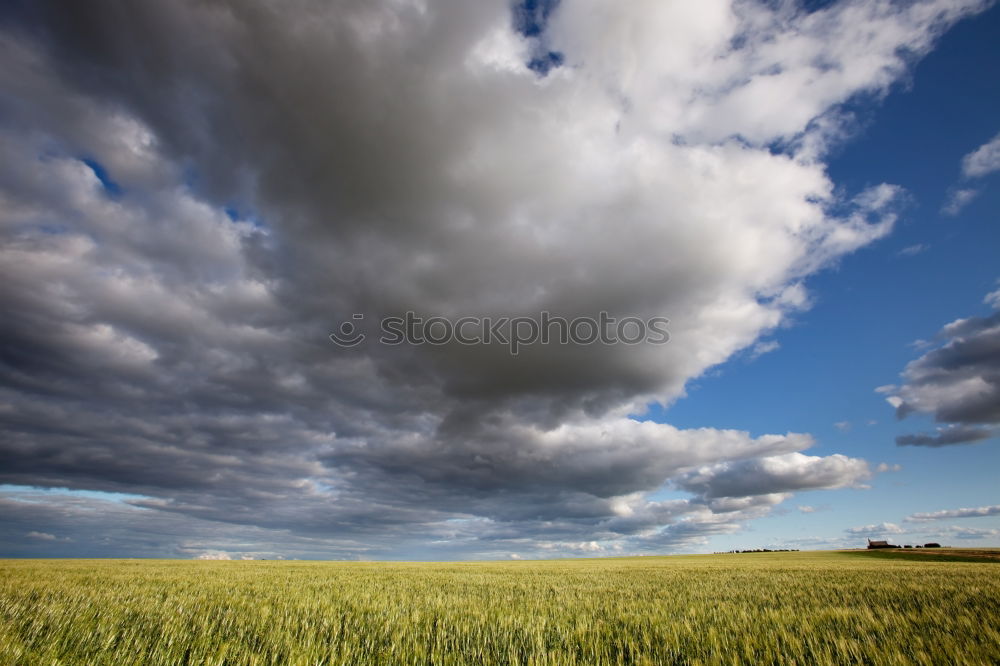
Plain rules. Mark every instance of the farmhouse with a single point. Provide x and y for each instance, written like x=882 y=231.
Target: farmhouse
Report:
x=880 y=544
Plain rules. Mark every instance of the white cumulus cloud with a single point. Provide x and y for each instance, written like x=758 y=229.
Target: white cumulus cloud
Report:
x=984 y=160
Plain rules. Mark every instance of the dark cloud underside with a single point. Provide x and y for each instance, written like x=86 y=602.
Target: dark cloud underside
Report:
x=193 y=195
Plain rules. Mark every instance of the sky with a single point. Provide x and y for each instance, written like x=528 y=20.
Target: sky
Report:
x=199 y=200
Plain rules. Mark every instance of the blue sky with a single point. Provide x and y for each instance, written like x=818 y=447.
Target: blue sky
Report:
x=195 y=200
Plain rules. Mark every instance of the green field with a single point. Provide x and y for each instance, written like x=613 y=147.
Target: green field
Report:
x=785 y=608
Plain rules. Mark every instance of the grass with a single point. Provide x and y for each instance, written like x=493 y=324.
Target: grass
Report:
x=787 y=608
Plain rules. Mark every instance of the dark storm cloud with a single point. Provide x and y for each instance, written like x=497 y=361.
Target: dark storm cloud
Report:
x=959 y=383
x=278 y=168
x=946 y=437
x=93 y=527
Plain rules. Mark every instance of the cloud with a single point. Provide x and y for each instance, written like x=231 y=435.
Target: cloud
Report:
x=980 y=162
x=993 y=299
x=213 y=555
x=764 y=347
x=805 y=508
x=818 y=543
x=946 y=437
x=45 y=536
x=879 y=529
x=774 y=474
x=954 y=513
x=969 y=532
x=85 y=525
x=195 y=195
x=958 y=382
x=843 y=426
x=984 y=160
x=913 y=250
x=959 y=199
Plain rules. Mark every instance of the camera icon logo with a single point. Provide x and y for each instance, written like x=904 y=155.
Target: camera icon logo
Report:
x=348 y=335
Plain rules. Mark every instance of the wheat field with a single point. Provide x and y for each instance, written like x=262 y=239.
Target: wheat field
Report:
x=761 y=608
